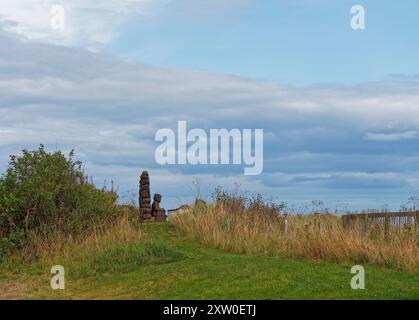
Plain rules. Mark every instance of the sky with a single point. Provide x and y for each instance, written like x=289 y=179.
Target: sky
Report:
x=339 y=107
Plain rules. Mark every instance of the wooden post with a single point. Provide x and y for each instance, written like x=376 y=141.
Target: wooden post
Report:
x=365 y=223
x=386 y=225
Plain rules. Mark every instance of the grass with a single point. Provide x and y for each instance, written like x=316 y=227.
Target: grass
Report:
x=256 y=229
x=158 y=262
x=235 y=248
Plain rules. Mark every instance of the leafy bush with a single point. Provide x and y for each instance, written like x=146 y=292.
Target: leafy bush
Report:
x=43 y=193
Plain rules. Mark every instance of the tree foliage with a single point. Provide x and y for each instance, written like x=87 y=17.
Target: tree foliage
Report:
x=43 y=193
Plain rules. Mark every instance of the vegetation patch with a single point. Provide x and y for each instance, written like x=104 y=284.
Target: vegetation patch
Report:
x=42 y=194
x=128 y=258
x=258 y=227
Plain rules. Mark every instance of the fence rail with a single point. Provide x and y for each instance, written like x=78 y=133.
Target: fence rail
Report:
x=389 y=221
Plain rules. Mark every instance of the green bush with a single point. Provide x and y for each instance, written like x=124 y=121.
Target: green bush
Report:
x=43 y=193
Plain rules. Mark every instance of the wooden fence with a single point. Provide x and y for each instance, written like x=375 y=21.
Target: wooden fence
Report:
x=388 y=221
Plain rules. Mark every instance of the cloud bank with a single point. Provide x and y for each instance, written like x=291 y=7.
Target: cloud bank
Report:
x=88 y=24
x=360 y=137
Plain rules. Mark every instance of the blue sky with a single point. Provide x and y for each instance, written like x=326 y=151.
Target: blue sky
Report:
x=339 y=108
x=299 y=42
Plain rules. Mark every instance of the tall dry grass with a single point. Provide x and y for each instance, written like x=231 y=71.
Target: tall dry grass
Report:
x=117 y=248
x=65 y=249
x=256 y=229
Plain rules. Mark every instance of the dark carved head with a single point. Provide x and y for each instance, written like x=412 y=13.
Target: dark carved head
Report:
x=157 y=197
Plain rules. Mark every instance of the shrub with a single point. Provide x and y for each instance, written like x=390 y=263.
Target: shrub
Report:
x=43 y=193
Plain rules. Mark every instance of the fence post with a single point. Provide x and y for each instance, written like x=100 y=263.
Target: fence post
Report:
x=386 y=225
x=365 y=223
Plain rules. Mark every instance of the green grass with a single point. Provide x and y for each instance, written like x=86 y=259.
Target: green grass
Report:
x=170 y=266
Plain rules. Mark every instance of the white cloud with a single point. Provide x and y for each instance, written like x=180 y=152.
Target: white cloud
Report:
x=89 y=23
x=398 y=136
x=109 y=111
x=93 y=24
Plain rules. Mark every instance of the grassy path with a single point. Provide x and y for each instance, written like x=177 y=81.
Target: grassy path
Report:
x=195 y=272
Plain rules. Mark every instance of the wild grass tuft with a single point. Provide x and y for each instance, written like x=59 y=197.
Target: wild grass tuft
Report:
x=117 y=248
x=253 y=227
